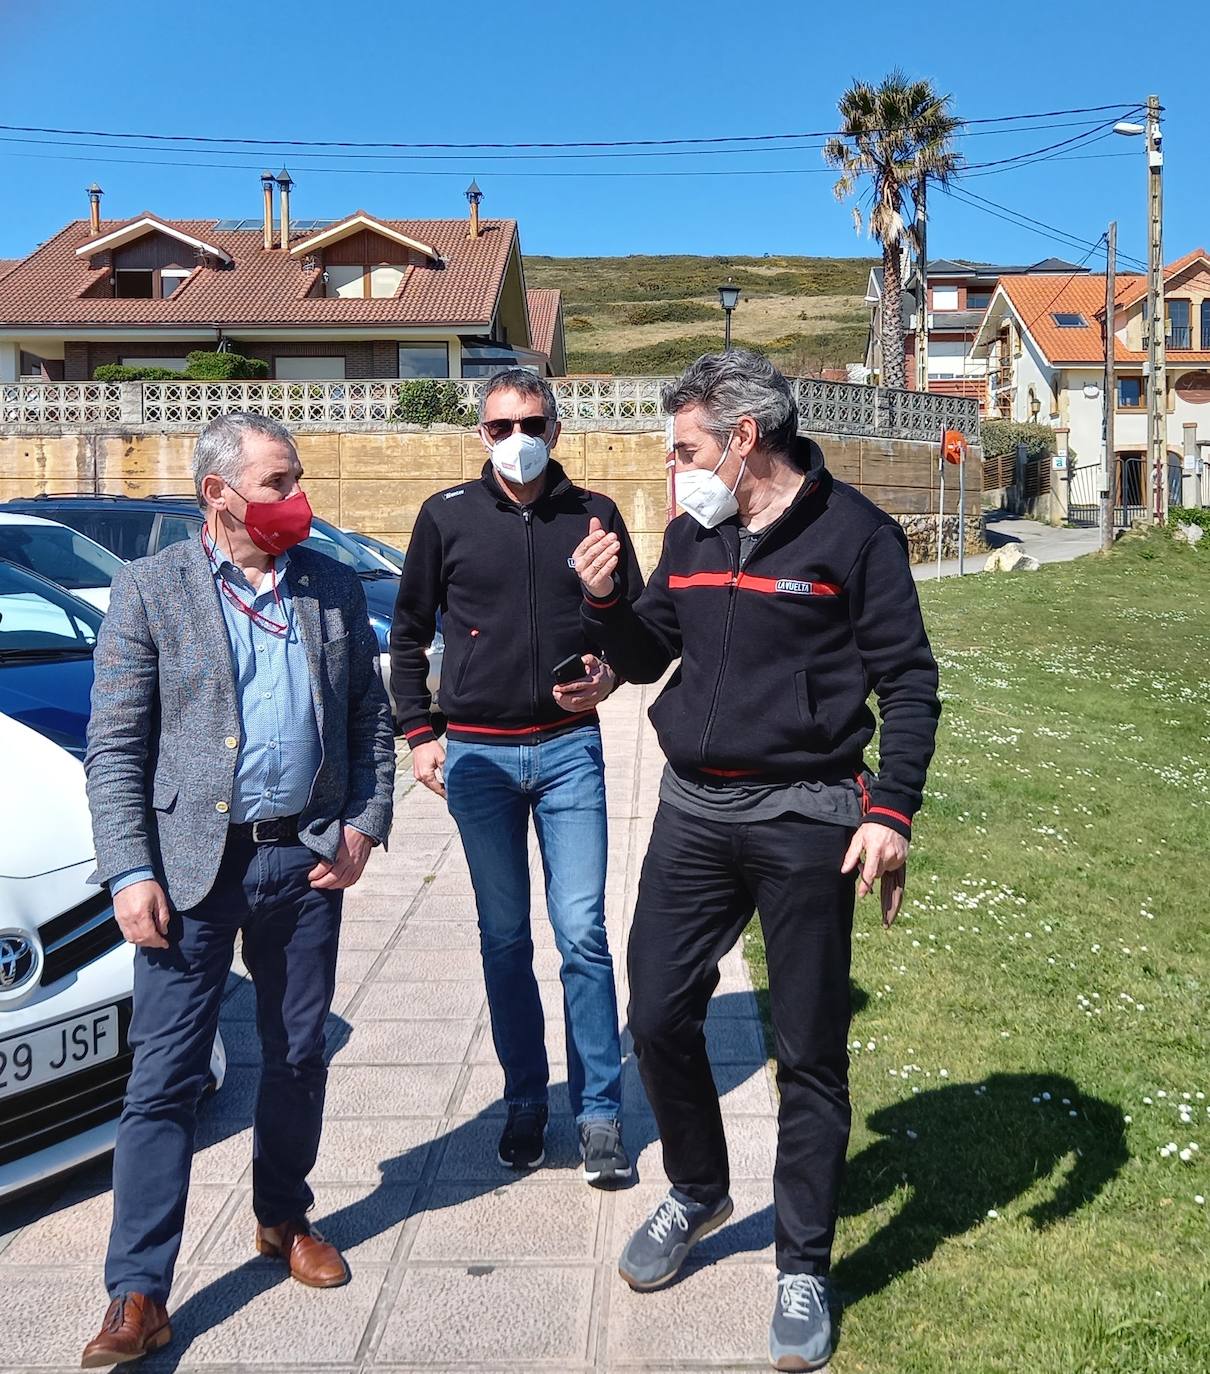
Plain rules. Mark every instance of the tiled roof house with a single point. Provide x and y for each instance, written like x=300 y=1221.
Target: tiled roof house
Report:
x=357 y=297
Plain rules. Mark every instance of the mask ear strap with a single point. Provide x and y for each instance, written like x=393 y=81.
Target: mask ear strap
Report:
x=726 y=451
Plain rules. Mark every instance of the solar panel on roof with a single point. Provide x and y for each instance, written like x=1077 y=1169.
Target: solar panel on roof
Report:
x=235 y=225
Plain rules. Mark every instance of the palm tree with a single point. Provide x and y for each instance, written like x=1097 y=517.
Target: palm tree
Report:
x=899 y=135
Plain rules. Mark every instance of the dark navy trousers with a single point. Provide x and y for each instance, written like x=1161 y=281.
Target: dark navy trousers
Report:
x=290 y=933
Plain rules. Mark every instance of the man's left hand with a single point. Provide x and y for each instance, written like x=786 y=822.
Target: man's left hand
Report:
x=350 y=862
x=587 y=692
x=876 y=851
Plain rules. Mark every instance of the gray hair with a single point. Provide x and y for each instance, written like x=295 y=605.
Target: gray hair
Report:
x=527 y=383
x=729 y=386
x=220 y=446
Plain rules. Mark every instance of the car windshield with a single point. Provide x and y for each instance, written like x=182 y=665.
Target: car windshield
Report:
x=327 y=539
x=38 y=619
x=59 y=554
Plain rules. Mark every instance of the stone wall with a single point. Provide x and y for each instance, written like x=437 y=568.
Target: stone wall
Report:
x=376 y=481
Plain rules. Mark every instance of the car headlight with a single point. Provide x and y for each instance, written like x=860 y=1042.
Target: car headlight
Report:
x=382 y=628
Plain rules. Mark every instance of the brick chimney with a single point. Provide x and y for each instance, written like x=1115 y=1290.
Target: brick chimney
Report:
x=283 y=185
x=474 y=195
x=266 y=181
x=94 y=208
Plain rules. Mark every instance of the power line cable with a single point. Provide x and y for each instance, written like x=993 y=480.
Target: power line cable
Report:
x=1023 y=220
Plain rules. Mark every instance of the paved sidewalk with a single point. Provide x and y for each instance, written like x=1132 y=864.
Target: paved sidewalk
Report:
x=1046 y=543
x=457 y=1264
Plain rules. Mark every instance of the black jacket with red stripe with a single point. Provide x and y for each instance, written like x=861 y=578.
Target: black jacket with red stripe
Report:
x=778 y=659
x=502 y=578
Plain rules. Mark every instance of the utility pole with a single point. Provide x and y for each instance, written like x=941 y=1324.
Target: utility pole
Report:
x=922 y=293
x=1109 y=468
x=1157 y=388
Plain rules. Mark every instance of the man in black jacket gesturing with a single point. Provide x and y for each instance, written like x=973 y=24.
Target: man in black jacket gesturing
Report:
x=520 y=685
x=787 y=597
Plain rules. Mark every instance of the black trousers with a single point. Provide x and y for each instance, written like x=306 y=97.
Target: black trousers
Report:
x=700 y=884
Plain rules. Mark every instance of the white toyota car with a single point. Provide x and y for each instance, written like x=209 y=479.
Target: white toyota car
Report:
x=66 y=974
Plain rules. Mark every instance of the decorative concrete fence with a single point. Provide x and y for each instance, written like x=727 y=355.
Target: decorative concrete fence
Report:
x=584 y=403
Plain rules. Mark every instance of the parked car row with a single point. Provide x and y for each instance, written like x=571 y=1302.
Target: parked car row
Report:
x=66 y=974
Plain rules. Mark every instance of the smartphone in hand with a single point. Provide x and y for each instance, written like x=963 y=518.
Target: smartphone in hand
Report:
x=570 y=670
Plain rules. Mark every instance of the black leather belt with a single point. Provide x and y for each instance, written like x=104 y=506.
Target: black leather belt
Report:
x=279 y=830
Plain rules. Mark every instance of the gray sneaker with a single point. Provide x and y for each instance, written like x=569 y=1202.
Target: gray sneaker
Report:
x=606 y=1162
x=659 y=1247
x=800 y=1334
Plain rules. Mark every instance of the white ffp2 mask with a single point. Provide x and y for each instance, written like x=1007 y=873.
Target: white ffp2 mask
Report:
x=521 y=457
x=705 y=495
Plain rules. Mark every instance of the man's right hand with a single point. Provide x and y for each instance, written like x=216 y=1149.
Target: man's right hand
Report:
x=596 y=559
x=141 y=911
x=427 y=761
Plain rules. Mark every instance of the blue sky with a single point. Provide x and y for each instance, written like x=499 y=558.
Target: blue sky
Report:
x=556 y=72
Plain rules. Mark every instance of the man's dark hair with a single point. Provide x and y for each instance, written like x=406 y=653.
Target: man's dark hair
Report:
x=527 y=383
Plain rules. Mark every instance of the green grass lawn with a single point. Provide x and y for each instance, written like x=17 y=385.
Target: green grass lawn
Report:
x=1034 y=1032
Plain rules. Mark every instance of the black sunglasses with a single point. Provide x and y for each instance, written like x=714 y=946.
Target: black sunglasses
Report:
x=533 y=425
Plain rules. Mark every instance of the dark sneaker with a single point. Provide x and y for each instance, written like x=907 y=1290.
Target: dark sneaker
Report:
x=658 y=1248
x=605 y=1159
x=523 y=1141
x=800 y=1335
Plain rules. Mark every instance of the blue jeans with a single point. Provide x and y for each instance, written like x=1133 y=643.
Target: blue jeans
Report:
x=291 y=931
x=492 y=789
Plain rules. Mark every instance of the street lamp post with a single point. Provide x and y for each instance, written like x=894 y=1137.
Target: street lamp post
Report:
x=728 y=298
x=1157 y=389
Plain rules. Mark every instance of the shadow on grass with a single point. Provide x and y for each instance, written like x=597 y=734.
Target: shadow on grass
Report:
x=971 y=1152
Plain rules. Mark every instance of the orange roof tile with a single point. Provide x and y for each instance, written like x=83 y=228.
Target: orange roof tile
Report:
x=543 y=315
x=1139 y=289
x=1036 y=301
x=264 y=287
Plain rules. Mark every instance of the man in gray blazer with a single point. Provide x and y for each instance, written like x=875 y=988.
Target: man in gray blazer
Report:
x=240 y=769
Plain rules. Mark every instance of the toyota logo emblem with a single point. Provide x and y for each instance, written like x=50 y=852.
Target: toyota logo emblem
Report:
x=17 y=961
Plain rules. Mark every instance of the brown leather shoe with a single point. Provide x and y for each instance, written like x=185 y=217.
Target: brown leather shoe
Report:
x=309 y=1258
x=133 y=1326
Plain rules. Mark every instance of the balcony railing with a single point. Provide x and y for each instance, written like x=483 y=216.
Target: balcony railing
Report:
x=1179 y=336
x=622 y=403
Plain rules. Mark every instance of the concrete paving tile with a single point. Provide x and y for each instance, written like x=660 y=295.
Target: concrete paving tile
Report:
x=444 y=907
x=422 y=933
x=383 y=1150
x=470 y=1153
x=397 y=1090
x=366 y=934
x=222 y=1150
x=556 y=1221
x=454 y=1315
x=78 y=1232
x=734 y=1040
x=49 y=1315
x=484 y=1091
x=406 y=1042
x=237 y=1097
x=425 y=965
x=362 y=907
x=714 y=1314
x=255 y=1315
x=751 y=1147
x=362 y=1220
x=352 y=965
x=241 y=1042
x=747 y=1236
x=734 y=1002
x=431 y=1001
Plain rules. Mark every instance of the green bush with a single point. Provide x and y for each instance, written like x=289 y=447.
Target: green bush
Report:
x=224 y=367
x=1191 y=515
x=427 y=401
x=669 y=312
x=115 y=372
x=1002 y=436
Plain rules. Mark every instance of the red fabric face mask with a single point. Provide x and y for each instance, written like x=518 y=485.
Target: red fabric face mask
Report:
x=275 y=526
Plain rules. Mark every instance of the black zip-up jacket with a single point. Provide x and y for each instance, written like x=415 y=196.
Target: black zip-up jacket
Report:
x=502 y=578
x=777 y=659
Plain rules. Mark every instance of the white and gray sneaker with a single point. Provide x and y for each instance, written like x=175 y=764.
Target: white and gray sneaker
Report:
x=606 y=1162
x=800 y=1334
x=659 y=1247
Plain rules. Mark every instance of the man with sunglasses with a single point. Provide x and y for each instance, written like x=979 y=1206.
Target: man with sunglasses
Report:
x=520 y=685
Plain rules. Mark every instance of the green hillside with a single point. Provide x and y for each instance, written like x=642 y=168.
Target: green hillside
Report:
x=656 y=314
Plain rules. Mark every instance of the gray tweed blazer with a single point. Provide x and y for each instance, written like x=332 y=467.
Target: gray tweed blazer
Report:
x=161 y=759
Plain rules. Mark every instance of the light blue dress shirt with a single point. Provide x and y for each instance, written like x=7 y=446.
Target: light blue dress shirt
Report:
x=279 y=749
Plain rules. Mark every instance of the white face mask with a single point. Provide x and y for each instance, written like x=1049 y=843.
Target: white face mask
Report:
x=521 y=457
x=705 y=495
